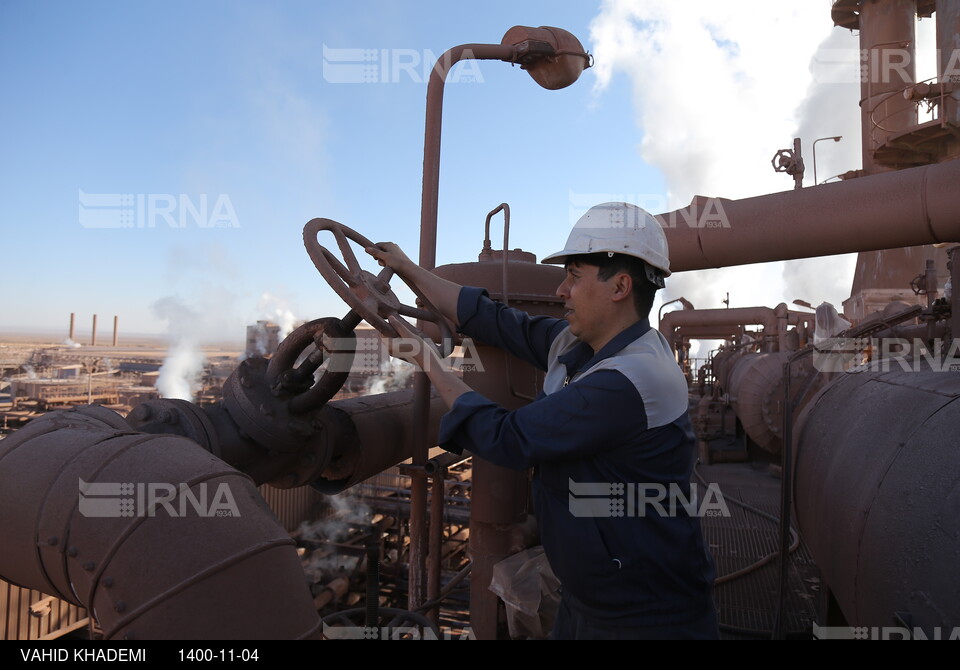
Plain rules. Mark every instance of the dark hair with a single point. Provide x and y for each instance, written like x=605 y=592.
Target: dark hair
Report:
x=644 y=291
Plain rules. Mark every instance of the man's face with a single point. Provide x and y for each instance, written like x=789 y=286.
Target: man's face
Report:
x=587 y=299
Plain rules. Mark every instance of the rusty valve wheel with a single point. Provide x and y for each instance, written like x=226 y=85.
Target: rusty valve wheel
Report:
x=369 y=295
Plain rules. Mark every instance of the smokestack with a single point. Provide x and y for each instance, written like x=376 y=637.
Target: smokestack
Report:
x=115 y=320
x=93 y=337
x=73 y=318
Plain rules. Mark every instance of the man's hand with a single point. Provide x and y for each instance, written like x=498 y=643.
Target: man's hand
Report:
x=441 y=293
x=390 y=255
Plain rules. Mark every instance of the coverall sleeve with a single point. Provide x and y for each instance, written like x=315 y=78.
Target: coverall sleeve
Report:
x=526 y=337
x=599 y=412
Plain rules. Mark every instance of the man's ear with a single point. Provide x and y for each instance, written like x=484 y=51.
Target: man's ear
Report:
x=622 y=287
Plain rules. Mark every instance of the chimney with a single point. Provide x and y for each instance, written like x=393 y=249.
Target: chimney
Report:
x=93 y=337
x=73 y=318
x=115 y=320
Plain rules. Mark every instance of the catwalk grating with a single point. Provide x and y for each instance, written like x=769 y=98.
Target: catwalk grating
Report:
x=747 y=605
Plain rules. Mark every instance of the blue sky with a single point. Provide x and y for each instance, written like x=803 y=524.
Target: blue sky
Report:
x=230 y=99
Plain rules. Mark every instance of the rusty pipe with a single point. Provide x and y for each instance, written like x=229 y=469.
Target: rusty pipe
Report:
x=738 y=316
x=370 y=434
x=149 y=549
x=885 y=211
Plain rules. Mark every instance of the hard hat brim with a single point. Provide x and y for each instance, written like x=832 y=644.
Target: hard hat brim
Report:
x=560 y=257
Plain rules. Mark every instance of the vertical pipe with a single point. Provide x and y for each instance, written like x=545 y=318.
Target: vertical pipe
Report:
x=435 y=564
x=93 y=335
x=429 y=204
x=786 y=502
x=372 y=616
x=888 y=45
x=948 y=53
x=116 y=320
x=73 y=318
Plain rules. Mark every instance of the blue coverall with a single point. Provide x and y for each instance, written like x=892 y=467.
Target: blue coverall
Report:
x=619 y=417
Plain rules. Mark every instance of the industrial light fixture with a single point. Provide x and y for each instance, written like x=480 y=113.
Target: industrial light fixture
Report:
x=837 y=138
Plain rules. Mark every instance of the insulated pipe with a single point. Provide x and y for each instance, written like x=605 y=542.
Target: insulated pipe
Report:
x=370 y=434
x=165 y=537
x=885 y=211
x=877 y=488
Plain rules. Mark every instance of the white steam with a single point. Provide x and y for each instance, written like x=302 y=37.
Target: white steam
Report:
x=347 y=511
x=277 y=310
x=182 y=368
x=718 y=88
x=393 y=377
x=70 y=343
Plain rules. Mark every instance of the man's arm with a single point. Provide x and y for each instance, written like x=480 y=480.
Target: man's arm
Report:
x=598 y=413
x=473 y=313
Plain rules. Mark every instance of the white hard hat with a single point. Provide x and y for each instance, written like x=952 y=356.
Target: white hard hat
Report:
x=617 y=228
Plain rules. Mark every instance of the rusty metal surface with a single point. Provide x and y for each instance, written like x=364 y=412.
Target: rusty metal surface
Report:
x=145 y=569
x=888 y=53
x=885 y=211
x=876 y=499
x=370 y=434
x=756 y=393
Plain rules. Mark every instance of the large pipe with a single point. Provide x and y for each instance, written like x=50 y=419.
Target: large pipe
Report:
x=164 y=542
x=885 y=211
x=877 y=499
x=370 y=434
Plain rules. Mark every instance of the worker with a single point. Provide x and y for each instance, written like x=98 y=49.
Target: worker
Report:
x=613 y=410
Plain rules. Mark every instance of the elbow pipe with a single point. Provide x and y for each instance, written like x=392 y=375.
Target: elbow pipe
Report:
x=884 y=211
x=738 y=316
x=164 y=539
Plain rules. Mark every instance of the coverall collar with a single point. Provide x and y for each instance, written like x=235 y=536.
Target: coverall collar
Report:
x=581 y=356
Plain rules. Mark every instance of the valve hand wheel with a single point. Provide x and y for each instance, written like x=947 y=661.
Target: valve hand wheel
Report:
x=369 y=295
